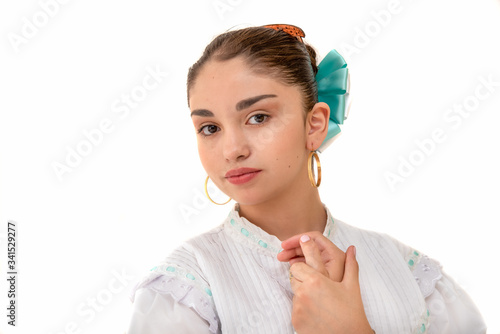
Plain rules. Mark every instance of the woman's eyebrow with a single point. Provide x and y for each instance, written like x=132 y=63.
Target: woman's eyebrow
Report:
x=202 y=113
x=243 y=104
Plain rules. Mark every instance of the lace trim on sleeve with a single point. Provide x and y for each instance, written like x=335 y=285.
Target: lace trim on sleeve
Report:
x=426 y=272
x=186 y=288
x=423 y=326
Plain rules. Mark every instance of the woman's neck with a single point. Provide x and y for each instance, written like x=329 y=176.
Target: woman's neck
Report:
x=292 y=213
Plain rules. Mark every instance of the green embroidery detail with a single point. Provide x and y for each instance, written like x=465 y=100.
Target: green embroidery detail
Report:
x=245 y=232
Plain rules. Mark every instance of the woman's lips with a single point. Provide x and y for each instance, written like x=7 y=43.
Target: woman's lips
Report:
x=241 y=175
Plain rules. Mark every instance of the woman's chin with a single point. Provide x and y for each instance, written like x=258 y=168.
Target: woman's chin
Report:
x=251 y=199
x=248 y=199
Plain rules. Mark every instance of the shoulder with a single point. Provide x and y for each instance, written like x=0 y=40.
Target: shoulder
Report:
x=374 y=239
x=425 y=270
x=369 y=239
x=448 y=307
x=184 y=262
x=189 y=252
x=181 y=276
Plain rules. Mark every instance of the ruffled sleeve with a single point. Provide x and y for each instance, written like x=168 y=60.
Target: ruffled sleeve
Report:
x=450 y=309
x=175 y=297
x=156 y=313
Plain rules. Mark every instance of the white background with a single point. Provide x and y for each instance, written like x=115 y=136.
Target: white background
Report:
x=119 y=211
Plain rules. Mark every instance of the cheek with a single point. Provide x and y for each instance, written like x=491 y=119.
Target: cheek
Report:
x=289 y=151
x=206 y=155
x=295 y=139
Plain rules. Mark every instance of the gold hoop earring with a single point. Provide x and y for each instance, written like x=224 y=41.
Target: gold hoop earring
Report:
x=211 y=200
x=314 y=183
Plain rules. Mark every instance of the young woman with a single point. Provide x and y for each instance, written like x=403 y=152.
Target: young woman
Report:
x=280 y=262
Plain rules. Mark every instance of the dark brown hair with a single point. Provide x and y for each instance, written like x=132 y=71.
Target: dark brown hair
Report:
x=266 y=51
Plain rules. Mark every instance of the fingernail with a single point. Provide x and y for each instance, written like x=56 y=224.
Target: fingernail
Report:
x=305 y=238
x=354 y=250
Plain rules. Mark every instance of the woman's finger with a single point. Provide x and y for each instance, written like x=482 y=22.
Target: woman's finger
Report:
x=291 y=247
x=294 y=242
x=312 y=254
x=301 y=271
x=351 y=271
x=289 y=254
x=333 y=258
x=294 y=279
x=327 y=248
x=297 y=259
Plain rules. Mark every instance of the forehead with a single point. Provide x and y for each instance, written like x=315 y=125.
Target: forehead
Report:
x=230 y=81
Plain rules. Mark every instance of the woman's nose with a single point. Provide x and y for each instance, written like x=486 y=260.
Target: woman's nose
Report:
x=235 y=145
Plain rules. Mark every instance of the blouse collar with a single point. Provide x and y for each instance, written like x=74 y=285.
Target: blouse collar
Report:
x=252 y=236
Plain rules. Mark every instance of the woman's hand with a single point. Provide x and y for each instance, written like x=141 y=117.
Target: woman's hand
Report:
x=327 y=298
x=322 y=254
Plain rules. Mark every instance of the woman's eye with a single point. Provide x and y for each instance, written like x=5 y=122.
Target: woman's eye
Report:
x=208 y=130
x=258 y=119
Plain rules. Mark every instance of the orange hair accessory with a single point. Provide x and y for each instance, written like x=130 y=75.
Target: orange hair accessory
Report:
x=289 y=29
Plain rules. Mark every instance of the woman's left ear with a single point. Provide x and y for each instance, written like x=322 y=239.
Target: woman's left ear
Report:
x=317 y=125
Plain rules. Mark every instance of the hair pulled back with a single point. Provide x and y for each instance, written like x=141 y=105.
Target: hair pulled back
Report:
x=269 y=52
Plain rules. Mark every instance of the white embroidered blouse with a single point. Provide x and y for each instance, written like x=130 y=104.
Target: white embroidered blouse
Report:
x=228 y=280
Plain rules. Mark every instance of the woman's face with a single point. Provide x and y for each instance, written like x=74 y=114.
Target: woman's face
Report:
x=250 y=130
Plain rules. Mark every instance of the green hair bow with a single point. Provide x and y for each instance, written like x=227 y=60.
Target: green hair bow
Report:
x=333 y=89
